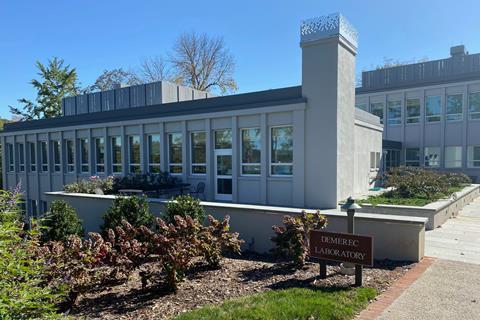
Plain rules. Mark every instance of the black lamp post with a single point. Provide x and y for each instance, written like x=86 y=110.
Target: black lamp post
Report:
x=350 y=206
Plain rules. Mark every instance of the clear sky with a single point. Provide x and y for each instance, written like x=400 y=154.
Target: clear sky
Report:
x=262 y=35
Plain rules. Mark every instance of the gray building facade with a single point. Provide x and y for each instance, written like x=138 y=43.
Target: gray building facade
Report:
x=304 y=146
x=431 y=109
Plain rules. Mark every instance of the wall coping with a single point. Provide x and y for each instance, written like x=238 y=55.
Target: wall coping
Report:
x=434 y=206
x=268 y=209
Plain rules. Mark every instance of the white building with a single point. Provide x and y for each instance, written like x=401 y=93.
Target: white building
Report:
x=304 y=146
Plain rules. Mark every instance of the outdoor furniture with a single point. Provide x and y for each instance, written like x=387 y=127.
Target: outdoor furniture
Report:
x=199 y=191
x=130 y=192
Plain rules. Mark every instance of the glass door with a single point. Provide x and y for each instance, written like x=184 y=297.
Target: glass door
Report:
x=223 y=174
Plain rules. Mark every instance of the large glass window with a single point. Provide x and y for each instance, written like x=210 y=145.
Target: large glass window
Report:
x=116 y=154
x=377 y=109
x=134 y=154
x=11 y=163
x=392 y=159
x=433 y=108
x=362 y=106
x=56 y=156
x=84 y=167
x=394 y=112
x=32 y=156
x=281 y=151
x=412 y=157
x=454 y=107
x=154 y=153
x=199 y=155
x=474 y=106
x=473 y=156
x=70 y=150
x=251 y=150
x=375 y=160
x=223 y=139
x=413 y=110
x=44 y=155
x=432 y=157
x=175 y=164
x=453 y=157
x=100 y=155
x=21 y=157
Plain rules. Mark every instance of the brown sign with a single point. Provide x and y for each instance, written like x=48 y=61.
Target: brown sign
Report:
x=342 y=247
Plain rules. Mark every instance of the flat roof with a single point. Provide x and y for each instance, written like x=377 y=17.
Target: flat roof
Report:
x=250 y=100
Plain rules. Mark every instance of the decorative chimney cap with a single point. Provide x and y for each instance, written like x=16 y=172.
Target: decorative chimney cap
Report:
x=334 y=24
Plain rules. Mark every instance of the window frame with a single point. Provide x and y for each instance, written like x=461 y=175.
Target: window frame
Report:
x=97 y=163
x=250 y=164
x=32 y=160
x=431 y=118
x=20 y=153
x=408 y=163
x=398 y=120
x=473 y=115
x=408 y=119
x=149 y=153
x=192 y=164
x=459 y=163
x=359 y=106
x=370 y=108
x=44 y=157
x=70 y=147
x=117 y=167
x=452 y=117
x=134 y=167
x=84 y=165
x=271 y=164
x=471 y=161
x=11 y=157
x=57 y=163
x=439 y=161
x=173 y=164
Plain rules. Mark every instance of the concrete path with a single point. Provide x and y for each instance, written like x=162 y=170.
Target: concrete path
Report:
x=446 y=290
x=457 y=239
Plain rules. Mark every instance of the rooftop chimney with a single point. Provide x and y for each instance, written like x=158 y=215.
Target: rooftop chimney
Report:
x=457 y=51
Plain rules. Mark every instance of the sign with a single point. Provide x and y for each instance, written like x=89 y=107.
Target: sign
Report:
x=344 y=247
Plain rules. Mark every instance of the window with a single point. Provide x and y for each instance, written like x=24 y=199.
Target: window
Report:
x=394 y=112
x=473 y=157
x=11 y=163
x=251 y=150
x=474 y=106
x=116 y=155
x=100 y=155
x=362 y=106
x=412 y=157
x=134 y=154
x=21 y=157
x=433 y=106
x=392 y=159
x=44 y=206
x=84 y=167
x=56 y=156
x=453 y=157
x=199 y=156
x=70 y=156
x=454 y=107
x=154 y=153
x=223 y=139
x=432 y=157
x=281 y=155
x=375 y=160
x=175 y=165
x=413 y=110
x=32 y=157
x=33 y=208
x=44 y=155
x=377 y=109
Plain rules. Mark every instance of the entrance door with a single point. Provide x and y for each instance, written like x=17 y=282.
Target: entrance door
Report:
x=223 y=174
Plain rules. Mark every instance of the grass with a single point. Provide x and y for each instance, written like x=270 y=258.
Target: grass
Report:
x=390 y=198
x=295 y=303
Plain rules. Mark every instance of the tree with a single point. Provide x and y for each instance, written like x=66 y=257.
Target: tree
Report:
x=203 y=63
x=60 y=222
x=57 y=81
x=154 y=69
x=112 y=79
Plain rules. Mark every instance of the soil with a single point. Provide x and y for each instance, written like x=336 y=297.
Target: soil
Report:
x=238 y=277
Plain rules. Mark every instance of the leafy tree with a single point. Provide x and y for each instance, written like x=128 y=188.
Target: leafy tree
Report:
x=133 y=209
x=57 y=81
x=184 y=206
x=60 y=222
x=112 y=79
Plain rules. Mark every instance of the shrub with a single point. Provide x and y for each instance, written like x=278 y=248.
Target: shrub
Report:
x=91 y=186
x=456 y=179
x=60 y=222
x=184 y=206
x=23 y=293
x=292 y=239
x=132 y=209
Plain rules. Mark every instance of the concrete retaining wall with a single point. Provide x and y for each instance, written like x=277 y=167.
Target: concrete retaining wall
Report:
x=395 y=238
x=437 y=212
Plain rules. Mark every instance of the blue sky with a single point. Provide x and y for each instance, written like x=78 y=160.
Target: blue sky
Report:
x=262 y=35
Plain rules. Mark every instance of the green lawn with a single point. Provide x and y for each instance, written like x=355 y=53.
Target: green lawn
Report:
x=296 y=303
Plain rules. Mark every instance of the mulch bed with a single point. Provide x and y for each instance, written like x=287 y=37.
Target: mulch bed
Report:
x=238 y=277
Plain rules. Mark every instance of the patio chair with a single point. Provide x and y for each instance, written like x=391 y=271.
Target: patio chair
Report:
x=199 y=191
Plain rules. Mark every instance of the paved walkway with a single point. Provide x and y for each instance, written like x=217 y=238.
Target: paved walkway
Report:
x=459 y=238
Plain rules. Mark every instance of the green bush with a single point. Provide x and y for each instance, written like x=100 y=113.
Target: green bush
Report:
x=60 y=222
x=456 y=179
x=23 y=293
x=183 y=206
x=91 y=186
x=132 y=209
